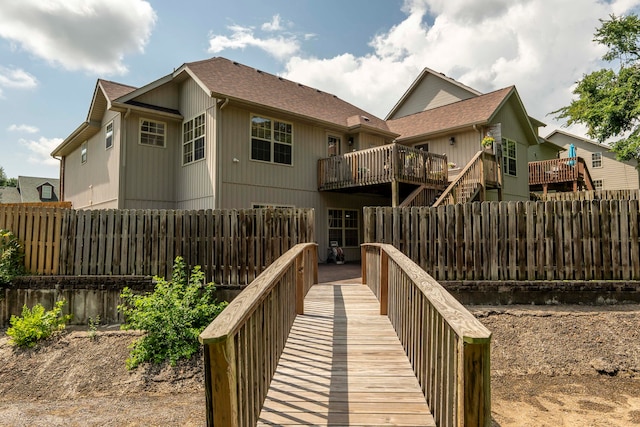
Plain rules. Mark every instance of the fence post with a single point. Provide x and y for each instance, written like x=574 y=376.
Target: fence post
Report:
x=384 y=282
x=223 y=382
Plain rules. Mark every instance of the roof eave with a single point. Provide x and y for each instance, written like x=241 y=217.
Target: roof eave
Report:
x=440 y=132
x=89 y=127
x=122 y=107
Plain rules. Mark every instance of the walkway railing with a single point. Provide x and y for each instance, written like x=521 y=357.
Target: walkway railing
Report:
x=243 y=344
x=481 y=170
x=448 y=348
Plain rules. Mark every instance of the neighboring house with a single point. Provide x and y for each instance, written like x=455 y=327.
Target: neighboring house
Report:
x=607 y=173
x=443 y=116
x=31 y=190
x=216 y=134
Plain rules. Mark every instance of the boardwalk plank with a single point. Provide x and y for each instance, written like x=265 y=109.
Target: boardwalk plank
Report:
x=343 y=364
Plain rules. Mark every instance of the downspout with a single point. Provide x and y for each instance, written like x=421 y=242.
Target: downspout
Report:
x=218 y=145
x=123 y=160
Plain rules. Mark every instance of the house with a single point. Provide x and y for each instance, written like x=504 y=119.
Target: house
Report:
x=607 y=173
x=216 y=134
x=442 y=115
x=31 y=190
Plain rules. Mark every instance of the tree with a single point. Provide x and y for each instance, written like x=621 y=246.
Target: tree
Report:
x=608 y=100
x=7 y=182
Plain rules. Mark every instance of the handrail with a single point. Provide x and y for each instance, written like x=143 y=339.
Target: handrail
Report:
x=243 y=344
x=586 y=175
x=553 y=170
x=467 y=183
x=447 y=346
x=384 y=164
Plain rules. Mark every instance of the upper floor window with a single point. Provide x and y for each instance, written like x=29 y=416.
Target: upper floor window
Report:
x=271 y=140
x=596 y=160
x=152 y=133
x=193 y=140
x=83 y=152
x=509 y=157
x=47 y=192
x=108 y=135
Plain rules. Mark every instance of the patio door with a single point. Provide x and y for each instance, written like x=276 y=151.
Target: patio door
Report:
x=333 y=145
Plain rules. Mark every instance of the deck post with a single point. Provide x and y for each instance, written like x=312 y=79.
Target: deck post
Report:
x=363 y=263
x=224 y=383
x=300 y=283
x=384 y=282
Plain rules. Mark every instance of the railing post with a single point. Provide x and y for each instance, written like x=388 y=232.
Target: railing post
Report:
x=300 y=283
x=224 y=383
x=363 y=263
x=477 y=384
x=384 y=282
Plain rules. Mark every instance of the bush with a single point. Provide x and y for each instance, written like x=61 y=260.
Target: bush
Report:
x=11 y=257
x=173 y=316
x=36 y=324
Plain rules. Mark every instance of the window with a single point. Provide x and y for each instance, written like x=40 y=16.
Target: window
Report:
x=46 y=192
x=598 y=184
x=193 y=140
x=596 y=160
x=152 y=133
x=83 y=152
x=509 y=157
x=271 y=140
x=108 y=136
x=334 y=145
x=343 y=227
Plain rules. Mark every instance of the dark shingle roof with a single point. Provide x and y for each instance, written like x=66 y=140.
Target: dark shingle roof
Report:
x=225 y=78
x=28 y=186
x=9 y=195
x=477 y=110
x=115 y=90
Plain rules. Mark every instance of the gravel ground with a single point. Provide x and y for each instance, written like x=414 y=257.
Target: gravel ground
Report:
x=551 y=366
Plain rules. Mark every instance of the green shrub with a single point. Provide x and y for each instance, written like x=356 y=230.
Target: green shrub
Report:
x=36 y=324
x=11 y=257
x=173 y=316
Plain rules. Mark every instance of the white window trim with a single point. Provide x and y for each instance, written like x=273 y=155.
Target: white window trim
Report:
x=343 y=228
x=204 y=155
x=144 y=119
x=273 y=141
x=49 y=189
x=266 y=205
x=504 y=150
x=84 y=149
x=108 y=135
x=601 y=184
x=601 y=158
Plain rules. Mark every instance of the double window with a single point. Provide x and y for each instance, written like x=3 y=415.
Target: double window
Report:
x=108 y=136
x=343 y=227
x=271 y=140
x=509 y=157
x=193 y=132
x=596 y=160
x=152 y=133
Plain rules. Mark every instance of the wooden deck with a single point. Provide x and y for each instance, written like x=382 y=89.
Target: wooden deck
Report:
x=343 y=364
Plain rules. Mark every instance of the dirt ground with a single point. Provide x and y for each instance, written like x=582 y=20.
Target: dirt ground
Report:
x=551 y=366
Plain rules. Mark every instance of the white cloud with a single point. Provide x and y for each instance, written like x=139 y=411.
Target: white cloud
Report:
x=90 y=35
x=542 y=47
x=273 y=25
x=40 y=150
x=16 y=78
x=280 y=46
x=23 y=128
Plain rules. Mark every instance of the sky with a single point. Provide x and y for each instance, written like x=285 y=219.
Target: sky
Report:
x=367 y=52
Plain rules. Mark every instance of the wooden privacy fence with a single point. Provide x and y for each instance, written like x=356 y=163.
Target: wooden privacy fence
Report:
x=579 y=240
x=447 y=346
x=232 y=246
x=244 y=343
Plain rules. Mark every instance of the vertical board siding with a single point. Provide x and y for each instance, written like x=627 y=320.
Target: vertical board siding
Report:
x=232 y=246
x=562 y=240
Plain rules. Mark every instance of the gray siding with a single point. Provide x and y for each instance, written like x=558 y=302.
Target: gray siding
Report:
x=615 y=175
x=94 y=184
x=195 y=183
x=431 y=92
x=541 y=152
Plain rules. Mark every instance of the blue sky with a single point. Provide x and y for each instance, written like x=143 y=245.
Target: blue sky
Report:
x=365 y=51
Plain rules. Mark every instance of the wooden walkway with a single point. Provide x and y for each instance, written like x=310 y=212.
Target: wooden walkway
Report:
x=344 y=365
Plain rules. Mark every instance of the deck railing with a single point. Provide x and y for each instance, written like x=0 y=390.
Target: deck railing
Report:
x=379 y=165
x=243 y=344
x=447 y=346
x=481 y=169
x=552 y=171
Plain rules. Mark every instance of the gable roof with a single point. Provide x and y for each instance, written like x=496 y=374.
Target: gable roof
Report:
x=426 y=72
x=9 y=195
x=28 y=187
x=223 y=78
x=570 y=135
x=474 y=111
